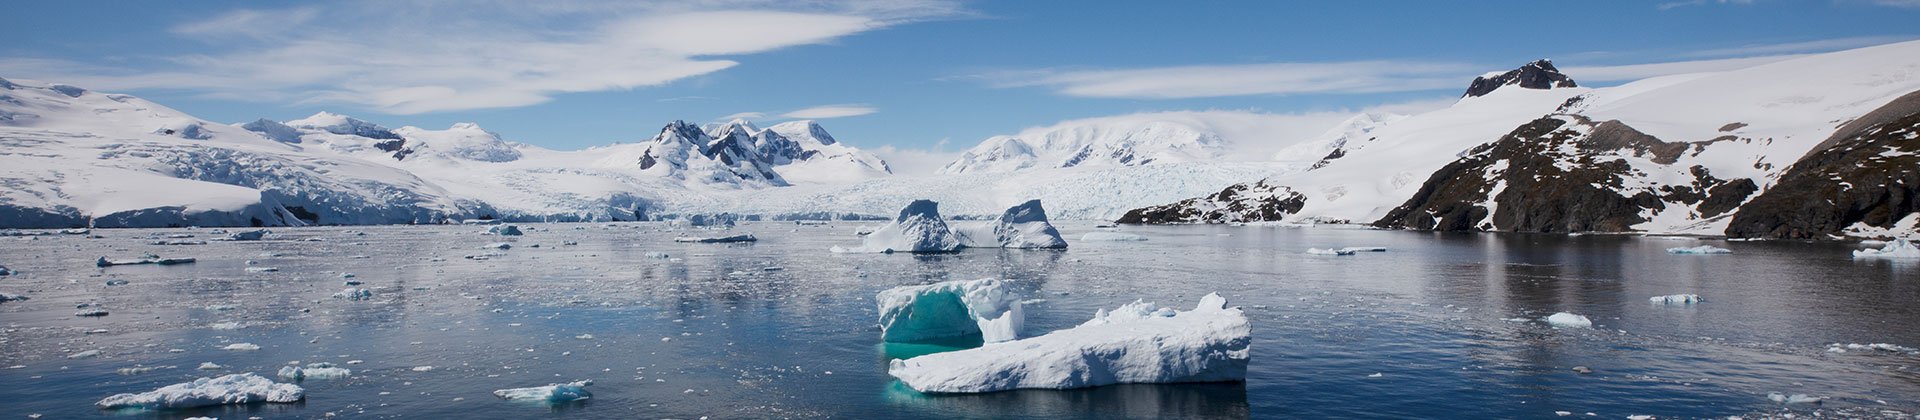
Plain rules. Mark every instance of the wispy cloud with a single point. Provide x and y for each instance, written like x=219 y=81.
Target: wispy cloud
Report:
x=1240 y=80
x=742 y=116
x=1675 y=4
x=1642 y=71
x=830 y=111
x=1821 y=45
x=389 y=56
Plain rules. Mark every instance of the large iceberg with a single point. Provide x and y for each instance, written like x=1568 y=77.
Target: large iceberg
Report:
x=242 y=388
x=958 y=308
x=1021 y=226
x=553 y=393
x=917 y=229
x=1899 y=248
x=1134 y=343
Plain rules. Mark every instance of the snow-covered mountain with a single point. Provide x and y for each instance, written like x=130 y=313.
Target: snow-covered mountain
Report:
x=1674 y=154
x=1098 y=142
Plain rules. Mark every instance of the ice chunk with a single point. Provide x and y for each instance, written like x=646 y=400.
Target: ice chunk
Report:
x=149 y=259
x=554 y=393
x=745 y=237
x=210 y=366
x=89 y=354
x=4 y=271
x=1675 y=299
x=242 y=347
x=1886 y=347
x=1569 y=320
x=504 y=230
x=1132 y=344
x=498 y=245
x=321 y=370
x=352 y=293
x=1329 y=251
x=241 y=388
x=1022 y=226
x=91 y=312
x=1899 y=248
x=1794 y=399
x=1700 y=250
x=1111 y=237
x=250 y=235
x=9 y=298
x=950 y=309
x=918 y=228
x=1365 y=249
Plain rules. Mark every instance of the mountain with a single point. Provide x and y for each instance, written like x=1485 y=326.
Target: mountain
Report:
x=1098 y=142
x=1811 y=147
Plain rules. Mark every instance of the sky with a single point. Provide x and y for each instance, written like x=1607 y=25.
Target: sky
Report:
x=913 y=79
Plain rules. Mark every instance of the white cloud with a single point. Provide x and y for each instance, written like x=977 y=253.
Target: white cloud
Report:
x=830 y=111
x=1822 y=45
x=742 y=116
x=1672 y=5
x=409 y=58
x=1641 y=71
x=1241 y=80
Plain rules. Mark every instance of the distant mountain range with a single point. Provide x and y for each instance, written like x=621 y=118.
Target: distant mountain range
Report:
x=1814 y=147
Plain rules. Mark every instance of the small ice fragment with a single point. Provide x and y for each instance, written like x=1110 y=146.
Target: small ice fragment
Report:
x=1675 y=299
x=745 y=237
x=1376 y=375
x=1324 y=251
x=422 y=368
x=210 y=366
x=321 y=370
x=251 y=235
x=91 y=312
x=241 y=347
x=262 y=269
x=85 y=354
x=553 y=393
x=354 y=294
x=1568 y=320
x=1700 y=250
x=504 y=230
x=498 y=245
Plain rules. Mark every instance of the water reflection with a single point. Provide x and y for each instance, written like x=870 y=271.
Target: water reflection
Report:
x=1226 y=400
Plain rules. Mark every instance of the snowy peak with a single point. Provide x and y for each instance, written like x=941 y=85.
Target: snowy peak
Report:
x=1098 y=142
x=1539 y=74
x=804 y=131
x=461 y=141
x=273 y=130
x=343 y=125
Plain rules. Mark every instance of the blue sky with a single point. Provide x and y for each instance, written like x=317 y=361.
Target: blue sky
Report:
x=910 y=74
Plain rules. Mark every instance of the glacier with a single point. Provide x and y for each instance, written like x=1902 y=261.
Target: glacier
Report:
x=241 y=388
x=1134 y=343
x=958 y=308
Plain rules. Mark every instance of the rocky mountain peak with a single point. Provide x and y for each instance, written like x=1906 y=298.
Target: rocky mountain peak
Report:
x=1539 y=74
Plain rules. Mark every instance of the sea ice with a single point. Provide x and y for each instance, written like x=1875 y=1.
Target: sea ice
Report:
x=744 y=237
x=554 y=393
x=241 y=388
x=1675 y=299
x=1703 y=249
x=1330 y=251
x=950 y=309
x=321 y=370
x=1569 y=320
x=1111 y=237
x=1899 y=248
x=1134 y=343
x=918 y=228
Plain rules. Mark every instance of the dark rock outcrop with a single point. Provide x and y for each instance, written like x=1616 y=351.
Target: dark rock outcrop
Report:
x=1539 y=74
x=1255 y=202
x=1561 y=174
x=1867 y=173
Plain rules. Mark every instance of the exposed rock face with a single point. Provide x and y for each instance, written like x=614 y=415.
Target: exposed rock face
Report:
x=1865 y=179
x=1255 y=202
x=1539 y=74
x=1564 y=173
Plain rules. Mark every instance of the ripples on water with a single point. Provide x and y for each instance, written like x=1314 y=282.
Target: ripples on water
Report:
x=783 y=328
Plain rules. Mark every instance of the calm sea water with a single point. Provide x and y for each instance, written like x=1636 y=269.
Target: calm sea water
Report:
x=1442 y=325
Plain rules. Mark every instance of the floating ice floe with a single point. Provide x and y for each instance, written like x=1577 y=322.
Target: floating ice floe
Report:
x=1794 y=399
x=1021 y=226
x=210 y=366
x=248 y=235
x=554 y=393
x=1700 y=250
x=498 y=245
x=321 y=370
x=4 y=297
x=241 y=388
x=91 y=312
x=918 y=228
x=504 y=230
x=1330 y=251
x=171 y=242
x=1886 y=347
x=1675 y=299
x=1365 y=249
x=242 y=347
x=138 y=370
x=89 y=354
x=1899 y=248
x=656 y=254
x=1111 y=237
x=958 y=308
x=1569 y=320
x=149 y=259
x=262 y=269
x=4 y=271
x=744 y=237
x=1134 y=343
x=352 y=293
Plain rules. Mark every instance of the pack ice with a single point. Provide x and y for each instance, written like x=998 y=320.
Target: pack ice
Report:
x=241 y=388
x=958 y=308
x=1134 y=343
x=1899 y=248
x=553 y=393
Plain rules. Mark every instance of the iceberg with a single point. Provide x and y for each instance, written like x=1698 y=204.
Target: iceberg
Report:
x=1329 y=251
x=504 y=230
x=1675 y=299
x=1021 y=226
x=918 y=228
x=149 y=259
x=321 y=370
x=251 y=235
x=353 y=293
x=554 y=393
x=958 y=308
x=242 y=388
x=1569 y=320
x=1365 y=249
x=497 y=245
x=1134 y=343
x=1111 y=237
x=4 y=271
x=1899 y=248
x=1700 y=250
x=744 y=237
